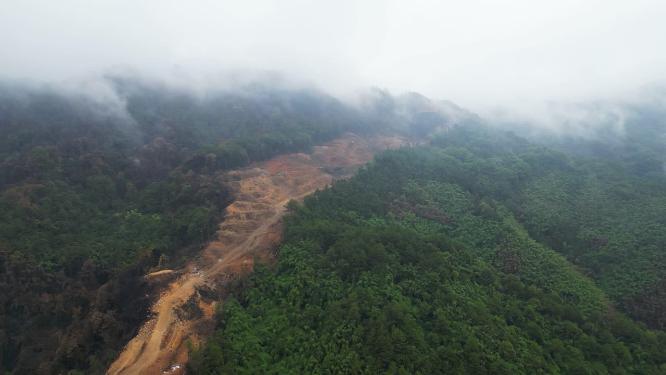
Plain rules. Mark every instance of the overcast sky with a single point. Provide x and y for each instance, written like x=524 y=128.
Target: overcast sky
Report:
x=480 y=54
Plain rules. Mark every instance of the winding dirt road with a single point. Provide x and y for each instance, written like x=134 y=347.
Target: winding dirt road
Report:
x=251 y=230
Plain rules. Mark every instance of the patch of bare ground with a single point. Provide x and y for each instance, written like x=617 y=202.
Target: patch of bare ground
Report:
x=251 y=230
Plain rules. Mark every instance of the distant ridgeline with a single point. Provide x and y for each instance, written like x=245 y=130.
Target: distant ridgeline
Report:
x=95 y=191
x=481 y=253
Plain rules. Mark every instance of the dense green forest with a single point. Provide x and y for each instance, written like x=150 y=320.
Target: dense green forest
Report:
x=96 y=192
x=479 y=253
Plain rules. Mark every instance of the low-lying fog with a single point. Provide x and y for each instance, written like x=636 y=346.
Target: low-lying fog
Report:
x=552 y=62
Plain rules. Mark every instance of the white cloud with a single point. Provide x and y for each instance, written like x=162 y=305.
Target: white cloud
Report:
x=483 y=54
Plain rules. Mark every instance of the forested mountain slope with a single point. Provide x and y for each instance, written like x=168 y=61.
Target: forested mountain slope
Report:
x=608 y=212
x=478 y=251
x=481 y=253
x=94 y=193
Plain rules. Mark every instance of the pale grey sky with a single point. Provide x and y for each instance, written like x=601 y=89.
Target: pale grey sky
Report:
x=481 y=54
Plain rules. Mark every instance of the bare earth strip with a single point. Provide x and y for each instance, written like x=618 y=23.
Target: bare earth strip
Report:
x=250 y=230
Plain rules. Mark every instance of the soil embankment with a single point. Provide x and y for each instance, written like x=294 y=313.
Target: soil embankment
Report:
x=250 y=230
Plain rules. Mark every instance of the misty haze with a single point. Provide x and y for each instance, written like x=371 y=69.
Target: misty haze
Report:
x=294 y=187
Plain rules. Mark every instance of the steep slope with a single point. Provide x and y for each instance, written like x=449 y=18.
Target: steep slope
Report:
x=95 y=194
x=250 y=229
